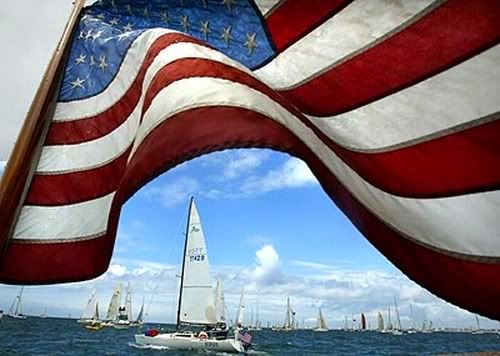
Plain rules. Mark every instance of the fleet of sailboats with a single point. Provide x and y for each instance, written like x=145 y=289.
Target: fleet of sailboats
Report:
x=199 y=306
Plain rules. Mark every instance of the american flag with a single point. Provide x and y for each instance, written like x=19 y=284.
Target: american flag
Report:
x=245 y=337
x=394 y=105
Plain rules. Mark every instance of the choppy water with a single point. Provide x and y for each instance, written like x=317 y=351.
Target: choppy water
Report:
x=36 y=336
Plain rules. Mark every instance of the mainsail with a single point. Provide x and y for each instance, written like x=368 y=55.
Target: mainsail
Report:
x=321 y=324
x=380 y=326
x=219 y=302
x=16 y=309
x=363 y=321
x=90 y=308
x=114 y=303
x=241 y=309
x=128 y=303
x=140 y=316
x=196 y=302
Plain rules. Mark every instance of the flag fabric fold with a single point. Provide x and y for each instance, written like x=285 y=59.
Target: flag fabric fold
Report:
x=394 y=107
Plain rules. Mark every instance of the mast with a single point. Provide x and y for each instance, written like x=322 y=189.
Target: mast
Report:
x=19 y=307
x=183 y=264
x=397 y=314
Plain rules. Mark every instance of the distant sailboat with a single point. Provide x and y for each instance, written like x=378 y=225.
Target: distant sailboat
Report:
x=90 y=312
x=321 y=323
x=289 y=323
x=124 y=317
x=398 y=329
x=114 y=305
x=380 y=322
x=44 y=313
x=241 y=308
x=363 y=322
x=16 y=309
x=197 y=305
x=478 y=329
x=140 y=317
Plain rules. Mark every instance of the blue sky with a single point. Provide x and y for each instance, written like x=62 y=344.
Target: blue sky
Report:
x=269 y=227
x=268 y=224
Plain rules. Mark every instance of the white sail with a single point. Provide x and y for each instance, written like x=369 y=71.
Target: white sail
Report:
x=380 y=322
x=196 y=305
x=140 y=316
x=128 y=303
x=241 y=308
x=96 y=312
x=321 y=323
x=16 y=309
x=89 y=309
x=219 y=302
x=398 y=320
x=114 y=303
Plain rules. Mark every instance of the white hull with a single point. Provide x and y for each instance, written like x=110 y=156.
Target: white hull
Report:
x=322 y=330
x=121 y=326
x=17 y=316
x=182 y=341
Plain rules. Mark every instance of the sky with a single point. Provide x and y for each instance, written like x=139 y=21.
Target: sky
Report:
x=269 y=225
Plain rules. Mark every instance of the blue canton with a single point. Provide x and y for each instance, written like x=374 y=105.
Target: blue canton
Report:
x=108 y=28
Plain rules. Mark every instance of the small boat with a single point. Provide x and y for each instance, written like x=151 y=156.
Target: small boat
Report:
x=16 y=309
x=398 y=329
x=478 y=329
x=94 y=325
x=363 y=322
x=380 y=322
x=289 y=323
x=321 y=323
x=198 y=306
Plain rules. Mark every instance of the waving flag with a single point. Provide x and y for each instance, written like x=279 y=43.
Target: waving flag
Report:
x=394 y=105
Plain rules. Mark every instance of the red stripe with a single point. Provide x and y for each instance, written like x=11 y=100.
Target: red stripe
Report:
x=206 y=130
x=452 y=33
x=91 y=128
x=294 y=19
x=460 y=163
x=71 y=188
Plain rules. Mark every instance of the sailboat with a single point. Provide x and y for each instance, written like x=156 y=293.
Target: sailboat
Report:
x=140 y=317
x=197 y=306
x=16 y=309
x=289 y=317
x=90 y=312
x=114 y=305
x=397 y=330
x=241 y=308
x=44 y=313
x=380 y=323
x=478 y=329
x=363 y=322
x=95 y=323
x=124 y=318
x=321 y=324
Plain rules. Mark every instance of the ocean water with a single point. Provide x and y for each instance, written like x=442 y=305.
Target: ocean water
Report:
x=49 y=336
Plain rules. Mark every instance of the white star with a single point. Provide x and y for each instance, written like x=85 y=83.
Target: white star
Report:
x=251 y=42
x=121 y=36
x=92 y=61
x=88 y=35
x=205 y=28
x=114 y=21
x=226 y=35
x=164 y=17
x=229 y=3
x=128 y=27
x=102 y=63
x=77 y=83
x=81 y=35
x=185 y=23
x=97 y=34
x=101 y=16
x=80 y=59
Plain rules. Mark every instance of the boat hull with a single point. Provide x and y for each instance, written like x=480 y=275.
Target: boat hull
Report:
x=174 y=341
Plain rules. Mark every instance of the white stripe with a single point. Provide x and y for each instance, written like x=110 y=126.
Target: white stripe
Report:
x=64 y=222
x=79 y=109
x=90 y=154
x=464 y=224
x=355 y=27
x=463 y=93
x=266 y=5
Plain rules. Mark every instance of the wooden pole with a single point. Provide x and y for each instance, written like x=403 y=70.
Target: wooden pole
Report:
x=26 y=153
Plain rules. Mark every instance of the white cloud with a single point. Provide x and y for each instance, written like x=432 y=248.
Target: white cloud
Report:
x=173 y=193
x=267 y=270
x=294 y=173
x=243 y=162
x=117 y=270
